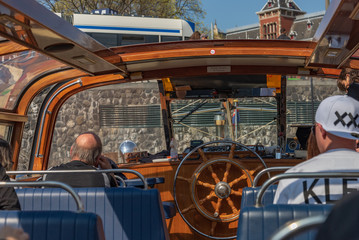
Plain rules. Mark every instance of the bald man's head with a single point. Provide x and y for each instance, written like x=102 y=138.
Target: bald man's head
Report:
x=87 y=148
x=86 y=140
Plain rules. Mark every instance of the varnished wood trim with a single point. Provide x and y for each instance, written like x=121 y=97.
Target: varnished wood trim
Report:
x=216 y=51
x=331 y=71
x=205 y=48
x=43 y=83
x=353 y=63
x=12 y=117
x=16 y=139
x=212 y=44
x=155 y=165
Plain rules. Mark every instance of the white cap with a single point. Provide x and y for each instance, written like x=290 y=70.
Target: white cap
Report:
x=339 y=115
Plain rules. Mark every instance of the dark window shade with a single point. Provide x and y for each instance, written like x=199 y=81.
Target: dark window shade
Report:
x=195 y=120
x=130 y=117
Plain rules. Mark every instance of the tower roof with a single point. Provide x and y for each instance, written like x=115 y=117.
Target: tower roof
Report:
x=281 y=4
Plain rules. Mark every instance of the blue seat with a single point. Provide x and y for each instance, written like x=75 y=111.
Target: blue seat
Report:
x=127 y=213
x=54 y=225
x=259 y=223
x=249 y=195
x=169 y=209
x=50 y=199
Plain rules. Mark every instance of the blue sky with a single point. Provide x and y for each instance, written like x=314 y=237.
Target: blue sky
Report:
x=235 y=13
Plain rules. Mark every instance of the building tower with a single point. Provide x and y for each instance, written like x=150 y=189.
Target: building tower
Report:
x=277 y=15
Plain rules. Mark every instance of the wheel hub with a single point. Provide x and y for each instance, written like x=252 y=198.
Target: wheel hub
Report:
x=222 y=190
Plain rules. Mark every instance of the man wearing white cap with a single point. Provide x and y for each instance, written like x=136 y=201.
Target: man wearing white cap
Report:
x=336 y=131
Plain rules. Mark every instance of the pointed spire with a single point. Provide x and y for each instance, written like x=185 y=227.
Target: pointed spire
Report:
x=215 y=30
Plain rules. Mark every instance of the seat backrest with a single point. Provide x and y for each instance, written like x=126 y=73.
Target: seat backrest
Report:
x=259 y=223
x=54 y=225
x=249 y=195
x=127 y=213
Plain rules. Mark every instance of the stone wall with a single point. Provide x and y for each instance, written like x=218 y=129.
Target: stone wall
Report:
x=80 y=113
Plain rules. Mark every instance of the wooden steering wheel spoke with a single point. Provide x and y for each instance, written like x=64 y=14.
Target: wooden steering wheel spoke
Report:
x=214 y=204
x=208 y=197
x=231 y=204
x=213 y=174
x=226 y=173
x=237 y=180
x=218 y=206
x=187 y=209
x=203 y=156
x=237 y=193
x=208 y=185
x=213 y=227
x=231 y=153
x=251 y=172
x=184 y=179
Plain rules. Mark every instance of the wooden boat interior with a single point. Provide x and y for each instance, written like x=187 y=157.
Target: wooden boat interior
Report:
x=42 y=50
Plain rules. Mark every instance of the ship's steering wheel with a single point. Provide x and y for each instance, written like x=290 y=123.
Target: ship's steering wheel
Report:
x=211 y=207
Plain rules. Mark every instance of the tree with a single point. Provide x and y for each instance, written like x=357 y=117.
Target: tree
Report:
x=185 y=9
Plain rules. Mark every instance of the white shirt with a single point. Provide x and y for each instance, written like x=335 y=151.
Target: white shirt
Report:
x=320 y=191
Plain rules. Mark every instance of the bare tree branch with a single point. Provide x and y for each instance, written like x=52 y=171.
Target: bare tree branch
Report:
x=186 y=9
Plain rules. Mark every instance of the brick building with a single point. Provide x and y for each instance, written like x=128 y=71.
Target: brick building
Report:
x=279 y=17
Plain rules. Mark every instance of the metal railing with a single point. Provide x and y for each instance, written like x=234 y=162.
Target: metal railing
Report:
x=80 y=206
x=42 y=172
x=297 y=227
x=267 y=170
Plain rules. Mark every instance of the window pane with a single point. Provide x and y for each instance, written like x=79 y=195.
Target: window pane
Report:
x=129 y=39
x=107 y=39
x=170 y=38
x=17 y=70
x=6 y=131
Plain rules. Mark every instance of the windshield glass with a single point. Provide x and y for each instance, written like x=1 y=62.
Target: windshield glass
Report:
x=17 y=70
x=116 y=113
x=132 y=112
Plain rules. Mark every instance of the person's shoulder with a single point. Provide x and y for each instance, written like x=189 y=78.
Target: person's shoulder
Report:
x=323 y=160
x=344 y=98
x=341 y=152
x=3 y=175
x=62 y=166
x=55 y=167
x=304 y=165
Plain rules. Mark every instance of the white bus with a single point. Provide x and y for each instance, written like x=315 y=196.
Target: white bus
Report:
x=114 y=30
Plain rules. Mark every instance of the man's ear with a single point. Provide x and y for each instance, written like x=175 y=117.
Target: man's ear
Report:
x=97 y=160
x=322 y=131
x=71 y=150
